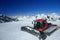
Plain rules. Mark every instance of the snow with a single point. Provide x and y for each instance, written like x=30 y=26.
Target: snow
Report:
x=12 y=31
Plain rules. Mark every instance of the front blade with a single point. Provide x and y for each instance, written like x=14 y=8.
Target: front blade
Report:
x=30 y=30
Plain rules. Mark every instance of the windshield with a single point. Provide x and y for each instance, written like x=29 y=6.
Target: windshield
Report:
x=39 y=24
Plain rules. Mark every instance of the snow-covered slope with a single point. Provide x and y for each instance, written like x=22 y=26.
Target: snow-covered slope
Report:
x=12 y=31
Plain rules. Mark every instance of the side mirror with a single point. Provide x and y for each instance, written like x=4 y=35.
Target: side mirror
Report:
x=32 y=22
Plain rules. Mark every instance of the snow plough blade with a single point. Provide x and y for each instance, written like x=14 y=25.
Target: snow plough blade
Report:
x=30 y=30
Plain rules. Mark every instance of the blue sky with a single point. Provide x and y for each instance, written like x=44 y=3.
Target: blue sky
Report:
x=29 y=7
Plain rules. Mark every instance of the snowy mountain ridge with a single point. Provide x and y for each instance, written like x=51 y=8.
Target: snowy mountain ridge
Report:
x=49 y=17
x=4 y=18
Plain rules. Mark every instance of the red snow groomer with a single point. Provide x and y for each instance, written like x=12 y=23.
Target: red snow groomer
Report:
x=41 y=26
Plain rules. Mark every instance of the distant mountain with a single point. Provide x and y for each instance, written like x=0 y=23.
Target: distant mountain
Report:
x=4 y=18
x=49 y=17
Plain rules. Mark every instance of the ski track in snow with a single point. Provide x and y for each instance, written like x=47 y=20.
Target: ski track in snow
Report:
x=12 y=31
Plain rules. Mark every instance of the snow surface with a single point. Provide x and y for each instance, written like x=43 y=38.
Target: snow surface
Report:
x=12 y=31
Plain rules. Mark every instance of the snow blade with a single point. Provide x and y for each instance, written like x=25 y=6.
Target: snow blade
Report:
x=30 y=30
x=34 y=32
